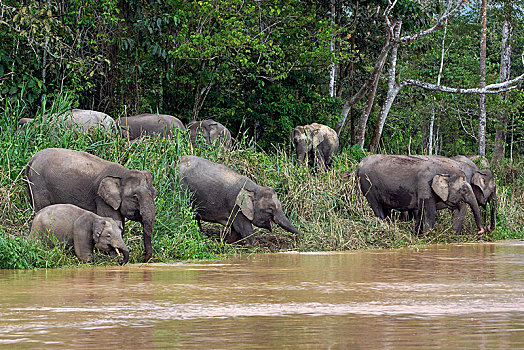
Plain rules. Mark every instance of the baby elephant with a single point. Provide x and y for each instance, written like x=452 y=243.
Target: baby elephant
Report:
x=79 y=228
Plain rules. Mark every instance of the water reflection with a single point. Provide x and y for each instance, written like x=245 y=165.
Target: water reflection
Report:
x=441 y=296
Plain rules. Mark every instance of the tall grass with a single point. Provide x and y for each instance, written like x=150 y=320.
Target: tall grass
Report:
x=328 y=209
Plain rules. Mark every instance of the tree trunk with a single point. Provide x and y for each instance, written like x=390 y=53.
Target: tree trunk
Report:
x=439 y=77
x=393 y=90
x=482 y=99
x=332 y=67
x=372 y=82
x=505 y=69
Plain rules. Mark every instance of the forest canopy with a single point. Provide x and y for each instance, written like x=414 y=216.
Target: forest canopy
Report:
x=263 y=67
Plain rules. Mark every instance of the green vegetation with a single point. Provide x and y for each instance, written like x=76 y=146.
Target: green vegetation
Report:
x=260 y=68
x=329 y=210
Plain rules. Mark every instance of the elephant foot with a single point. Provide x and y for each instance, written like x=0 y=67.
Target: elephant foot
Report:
x=148 y=257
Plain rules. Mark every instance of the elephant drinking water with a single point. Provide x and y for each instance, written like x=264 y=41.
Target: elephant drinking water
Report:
x=416 y=184
x=57 y=175
x=80 y=229
x=224 y=196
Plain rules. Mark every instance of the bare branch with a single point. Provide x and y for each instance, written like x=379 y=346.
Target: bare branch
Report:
x=447 y=14
x=489 y=89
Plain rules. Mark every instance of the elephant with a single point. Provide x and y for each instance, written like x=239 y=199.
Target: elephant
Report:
x=416 y=184
x=149 y=124
x=483 y=184
x=63 y=176
x=316 y=142
x=211 y=131
x=80 y=229
x=223 y=196
x=82 y=119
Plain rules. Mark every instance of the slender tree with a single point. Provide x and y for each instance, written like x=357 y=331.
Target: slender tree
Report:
x=505 y=70
x=482 y=98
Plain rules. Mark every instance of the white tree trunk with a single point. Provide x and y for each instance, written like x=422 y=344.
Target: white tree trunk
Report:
x=332 y=67
x=393 y=89
x=482 y=99
x=439 y=76
x=505 y=70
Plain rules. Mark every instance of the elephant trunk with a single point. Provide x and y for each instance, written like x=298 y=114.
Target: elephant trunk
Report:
x=282 y=221
x=301 y=155
x=472 y=202
x=493 y=211
x=147 y=212
x=125 y=258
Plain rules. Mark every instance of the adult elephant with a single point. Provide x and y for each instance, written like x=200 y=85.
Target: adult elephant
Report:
x=149 y=124
x=483 y=184
x=416 y=184
x=212 y=131
x=57 y=175
x=224 y=196
x=316 y=142
x=81 y=119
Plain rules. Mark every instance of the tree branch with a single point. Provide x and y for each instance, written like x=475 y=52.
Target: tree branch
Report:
x=449 y=13
x=489 y=89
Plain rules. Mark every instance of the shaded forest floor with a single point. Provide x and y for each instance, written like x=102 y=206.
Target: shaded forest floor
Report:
x=330 y=211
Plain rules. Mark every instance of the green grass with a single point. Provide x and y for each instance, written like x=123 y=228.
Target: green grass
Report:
x=329 y=210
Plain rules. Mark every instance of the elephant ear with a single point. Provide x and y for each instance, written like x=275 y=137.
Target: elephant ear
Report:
x=296 y=132
x=213 y=131
x=480 y=180
x=318 y=137
x=98 y=227
x=109 y=191
x=246 y=201
x=440 y=186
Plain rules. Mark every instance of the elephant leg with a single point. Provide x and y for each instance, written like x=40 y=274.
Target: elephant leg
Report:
x=319 y=160
x=233 y=237
x=425 y=217
x=378 y=209
x=458 y=217
x=429 y=215
x=243 y=226
x=199 y=223
x=40 y=198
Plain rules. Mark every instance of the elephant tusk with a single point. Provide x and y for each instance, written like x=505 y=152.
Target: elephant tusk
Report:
x=117 y=252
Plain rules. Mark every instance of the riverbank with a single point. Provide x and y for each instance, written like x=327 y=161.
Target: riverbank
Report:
x=329 y=210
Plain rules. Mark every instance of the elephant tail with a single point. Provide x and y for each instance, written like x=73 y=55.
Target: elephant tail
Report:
x=28 y=188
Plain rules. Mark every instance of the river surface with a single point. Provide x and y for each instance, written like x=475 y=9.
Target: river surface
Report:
x=446 y=296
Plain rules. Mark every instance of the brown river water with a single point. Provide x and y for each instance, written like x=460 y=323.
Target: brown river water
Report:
x=445 y=296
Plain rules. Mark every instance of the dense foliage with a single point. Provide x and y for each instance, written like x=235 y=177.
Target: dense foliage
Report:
x=327 y=208
x=260 y=68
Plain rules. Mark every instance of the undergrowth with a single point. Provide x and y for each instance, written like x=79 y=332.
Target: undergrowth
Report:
x=326 y=207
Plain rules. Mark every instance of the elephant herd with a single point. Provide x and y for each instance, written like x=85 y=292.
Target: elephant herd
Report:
x=420 y=185
x=83 y=200
x=132 y=128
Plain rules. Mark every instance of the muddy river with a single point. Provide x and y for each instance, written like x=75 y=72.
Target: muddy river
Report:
x=447 y=296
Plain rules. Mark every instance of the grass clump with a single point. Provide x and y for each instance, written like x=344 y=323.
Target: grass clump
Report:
x=327 y=208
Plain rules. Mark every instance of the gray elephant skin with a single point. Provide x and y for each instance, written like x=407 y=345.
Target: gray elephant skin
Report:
x=211 y=131
x=63 y=176
x=149 y=124
x=316 y=142
x=416 y=184
x=79 y=119
x=80 y=229
x=223 y=196
x=483 y=184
